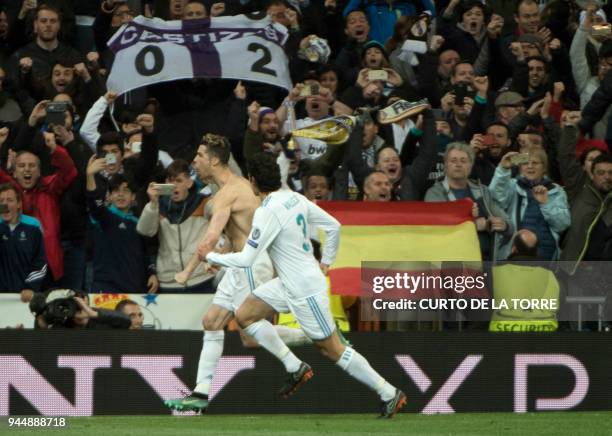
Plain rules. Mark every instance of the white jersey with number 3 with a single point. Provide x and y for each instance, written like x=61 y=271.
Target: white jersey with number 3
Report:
x=282 y=226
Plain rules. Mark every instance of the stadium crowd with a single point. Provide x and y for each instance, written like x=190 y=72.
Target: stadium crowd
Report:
x=518 y=120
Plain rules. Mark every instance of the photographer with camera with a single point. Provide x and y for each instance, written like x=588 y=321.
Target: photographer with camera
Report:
x=65 y=308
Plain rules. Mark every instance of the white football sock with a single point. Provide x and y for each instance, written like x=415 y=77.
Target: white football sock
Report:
x=292 y=337
x=212 y=349
x=267 y=336
x=359 y=368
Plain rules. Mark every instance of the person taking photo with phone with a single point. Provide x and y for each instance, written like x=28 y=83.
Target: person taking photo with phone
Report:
x=120 y=260
x=531 y=200
x=178 y=220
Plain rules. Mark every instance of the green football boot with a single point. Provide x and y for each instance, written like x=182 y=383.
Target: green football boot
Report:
x=196 y=402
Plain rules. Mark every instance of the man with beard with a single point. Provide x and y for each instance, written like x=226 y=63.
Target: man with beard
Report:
x=33 y=62
x=262 y=131
x=76 y=81
x=588 y=238
x=459 y=111
x=41 y=195
x=588 y=243
x=489 y=150
x=263 y=135
x=532 y=78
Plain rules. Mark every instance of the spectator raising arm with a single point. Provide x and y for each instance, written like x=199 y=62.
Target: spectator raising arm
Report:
x=89 y=128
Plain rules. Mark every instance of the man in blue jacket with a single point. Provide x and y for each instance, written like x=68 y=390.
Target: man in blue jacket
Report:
x=23 y=264
x=120 y=260
x=382 y=14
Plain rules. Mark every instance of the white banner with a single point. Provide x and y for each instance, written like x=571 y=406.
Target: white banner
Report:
x=164 y=311
x=243 y=47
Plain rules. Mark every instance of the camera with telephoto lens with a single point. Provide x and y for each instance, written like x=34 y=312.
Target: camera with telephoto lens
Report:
x=58 y=308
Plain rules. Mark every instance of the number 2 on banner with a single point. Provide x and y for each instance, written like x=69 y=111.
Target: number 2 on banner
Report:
x=260 y=65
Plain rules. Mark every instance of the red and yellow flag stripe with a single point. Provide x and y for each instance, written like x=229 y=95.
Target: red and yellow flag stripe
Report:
x=402 y=232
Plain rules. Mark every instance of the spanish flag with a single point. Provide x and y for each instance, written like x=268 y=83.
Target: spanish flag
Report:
x=407 y=231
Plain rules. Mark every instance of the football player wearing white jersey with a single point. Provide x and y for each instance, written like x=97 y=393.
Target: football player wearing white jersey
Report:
x=281 y=226
x=230 y=216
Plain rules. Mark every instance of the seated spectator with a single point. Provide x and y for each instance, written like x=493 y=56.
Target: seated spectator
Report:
x=178 y=221
x=132 y=310
x=23 y=264
x=532 y=201
x=119 y=259
x=492 y=223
